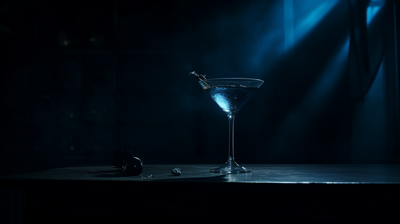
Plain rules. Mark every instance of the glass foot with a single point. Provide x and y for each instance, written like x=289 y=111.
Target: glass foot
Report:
x=230 y=168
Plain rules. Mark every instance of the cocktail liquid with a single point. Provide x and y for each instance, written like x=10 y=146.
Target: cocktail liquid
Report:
x=231 y=99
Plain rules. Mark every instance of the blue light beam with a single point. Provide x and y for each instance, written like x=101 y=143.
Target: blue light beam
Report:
x=373 y=9
x=316 y=12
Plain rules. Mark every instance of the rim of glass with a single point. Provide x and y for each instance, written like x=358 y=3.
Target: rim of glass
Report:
x=232 y=78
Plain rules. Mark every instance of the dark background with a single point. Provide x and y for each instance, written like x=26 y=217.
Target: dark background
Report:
x=81 y=78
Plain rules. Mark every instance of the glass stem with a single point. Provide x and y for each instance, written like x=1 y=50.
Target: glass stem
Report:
x=231 y=120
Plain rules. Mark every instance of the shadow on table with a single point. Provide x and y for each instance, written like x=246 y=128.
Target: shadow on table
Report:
x=156 y=178
x=219 y=178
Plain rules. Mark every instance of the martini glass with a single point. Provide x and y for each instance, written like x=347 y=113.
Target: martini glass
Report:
x=231 y=94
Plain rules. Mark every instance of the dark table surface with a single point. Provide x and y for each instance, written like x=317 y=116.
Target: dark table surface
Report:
x=263 y=174
x=336 y=192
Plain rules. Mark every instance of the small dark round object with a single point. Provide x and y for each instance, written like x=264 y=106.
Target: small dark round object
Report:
x=132 y=166
x=176 y=171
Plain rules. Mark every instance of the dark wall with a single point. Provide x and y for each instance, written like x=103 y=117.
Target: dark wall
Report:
x=79 y=79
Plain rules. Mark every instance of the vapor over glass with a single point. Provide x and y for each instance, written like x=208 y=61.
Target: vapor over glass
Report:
x=231 y=94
